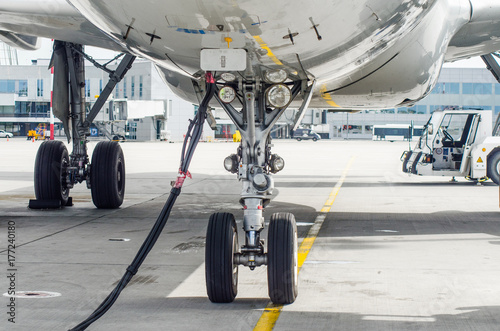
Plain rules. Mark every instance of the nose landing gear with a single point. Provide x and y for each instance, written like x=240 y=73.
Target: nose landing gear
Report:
x=254 y=165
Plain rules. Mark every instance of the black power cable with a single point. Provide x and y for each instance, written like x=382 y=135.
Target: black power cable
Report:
x=193 y=135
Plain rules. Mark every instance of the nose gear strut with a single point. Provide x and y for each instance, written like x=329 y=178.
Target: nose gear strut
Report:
x=255 y=165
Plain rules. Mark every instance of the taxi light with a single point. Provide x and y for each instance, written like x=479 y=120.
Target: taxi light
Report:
x=279 y=96
x=227 y=94
x=276 y=163
x=231 y=163
x=275 y=76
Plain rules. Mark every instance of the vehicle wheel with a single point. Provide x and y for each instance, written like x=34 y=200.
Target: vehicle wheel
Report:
x=315 y=139
x=221 y=273
x=493 y=171
x=107 y=175
x=51 y=164
x=282 y=268
x=299 y=139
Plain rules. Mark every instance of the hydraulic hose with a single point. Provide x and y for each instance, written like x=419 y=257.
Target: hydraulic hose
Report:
x=191 y=140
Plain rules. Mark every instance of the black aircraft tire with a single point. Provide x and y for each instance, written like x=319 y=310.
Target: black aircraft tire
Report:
x=494 y=167
x=107 y=175
x=50 y=172
x=282 y=268
x=221 y=274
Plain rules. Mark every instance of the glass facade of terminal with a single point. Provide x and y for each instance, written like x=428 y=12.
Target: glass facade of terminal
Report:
x=473 y=89
x=25 y=93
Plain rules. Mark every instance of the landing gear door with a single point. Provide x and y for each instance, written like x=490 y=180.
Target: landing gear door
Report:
x=465 y=166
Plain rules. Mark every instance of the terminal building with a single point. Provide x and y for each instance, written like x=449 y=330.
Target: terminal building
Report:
x=143 y=108
x=457 y=88
x=141 y=102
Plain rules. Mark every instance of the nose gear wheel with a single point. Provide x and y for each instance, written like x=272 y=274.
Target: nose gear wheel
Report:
x=282 y=268
x=220 y=270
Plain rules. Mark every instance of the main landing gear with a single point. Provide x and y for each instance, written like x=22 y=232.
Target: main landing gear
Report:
x=254 y=165
x=56 y=171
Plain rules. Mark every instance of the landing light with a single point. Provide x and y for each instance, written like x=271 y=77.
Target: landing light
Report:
x=276 y=163
x=275 y=76
x=231 y=163
x=228 y=77
x=227 y=94
x=279 y=95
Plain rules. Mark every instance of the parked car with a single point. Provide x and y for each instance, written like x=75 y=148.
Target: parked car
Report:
x=300 y=134
x=5 y=134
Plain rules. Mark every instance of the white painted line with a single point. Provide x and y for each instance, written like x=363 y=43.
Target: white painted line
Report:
x=251 y=284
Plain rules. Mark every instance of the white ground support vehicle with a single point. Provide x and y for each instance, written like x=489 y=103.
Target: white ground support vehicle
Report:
x=456 y=143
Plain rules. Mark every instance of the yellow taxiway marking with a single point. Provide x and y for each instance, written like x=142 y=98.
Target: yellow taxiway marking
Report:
x=272 y=312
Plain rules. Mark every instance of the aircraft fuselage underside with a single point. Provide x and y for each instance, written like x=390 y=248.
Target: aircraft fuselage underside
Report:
x=350 y=48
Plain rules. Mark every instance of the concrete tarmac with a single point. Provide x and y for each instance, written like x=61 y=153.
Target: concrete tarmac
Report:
x=394 y=252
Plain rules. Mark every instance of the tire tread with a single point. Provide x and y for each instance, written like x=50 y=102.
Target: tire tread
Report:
x=282 y=228
x=218 y=258
x=104 y=188
x=47 y=180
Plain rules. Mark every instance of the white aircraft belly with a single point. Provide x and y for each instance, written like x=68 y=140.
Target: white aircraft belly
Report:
x=358 y=38
x=348 y=30
x=54 y=19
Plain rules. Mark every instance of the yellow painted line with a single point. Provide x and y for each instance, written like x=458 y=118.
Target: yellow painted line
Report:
x=325 y=209
x=269 y=317
x=327 y=97
x=272 y=312
x=263 y=45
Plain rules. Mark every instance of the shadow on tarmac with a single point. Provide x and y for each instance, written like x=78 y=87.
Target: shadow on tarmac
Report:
x=359 y=224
